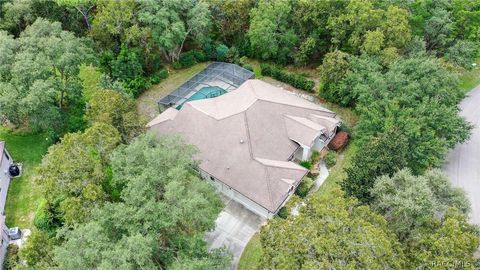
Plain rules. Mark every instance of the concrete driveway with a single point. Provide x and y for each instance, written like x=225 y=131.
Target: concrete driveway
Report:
x=234 y=227
x=463 y=162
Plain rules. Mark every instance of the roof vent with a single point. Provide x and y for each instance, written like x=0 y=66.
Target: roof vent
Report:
x=242 y=141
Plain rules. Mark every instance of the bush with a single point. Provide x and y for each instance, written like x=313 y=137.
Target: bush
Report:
x=159 y=76
x=43 y=217
x=199 y=56
x=136 y=86
x=304 y=187
x=315 y=156
x=176 y=65
x=232 y=55
x=305 y=163
x=463 y=53
x=11 y=259
x=283 y=212
x=248 y=67
x=221 y=52
x=330 y=159
x=187 y=59
x=295 y=80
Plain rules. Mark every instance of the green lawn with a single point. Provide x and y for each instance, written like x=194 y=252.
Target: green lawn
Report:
x=251 y=254
x=23 y=194
x=147 y=102
x=470 y=78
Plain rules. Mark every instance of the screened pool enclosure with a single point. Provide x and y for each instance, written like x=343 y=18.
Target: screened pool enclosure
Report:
x=216 y=79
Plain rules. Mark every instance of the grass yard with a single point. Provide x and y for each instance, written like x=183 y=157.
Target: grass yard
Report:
x=251 y=254
x=147 y=102
x=470 y=78
x=23 y=194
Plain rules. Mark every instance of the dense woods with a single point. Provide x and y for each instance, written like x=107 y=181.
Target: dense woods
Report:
x=116 y=198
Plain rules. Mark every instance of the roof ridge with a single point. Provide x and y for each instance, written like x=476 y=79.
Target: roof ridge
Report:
x=298 y=168
x=267 y=174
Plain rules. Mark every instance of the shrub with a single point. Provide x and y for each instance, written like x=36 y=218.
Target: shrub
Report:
x=12 y=259
x=159 y=76
x=330 y=159
x=315 y=156
x=199 y=56
x=283 y=212
x=232 y=55
x=136 y=86
x=221 y=52
x=304 y=187
x=305 y=163
x=463 y=53
x=43 y=217
x=295 y=80
x=187 y=59
x=176 y=65
x=248 y=67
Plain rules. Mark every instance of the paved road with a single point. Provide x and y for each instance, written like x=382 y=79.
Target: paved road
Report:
x=463 y=162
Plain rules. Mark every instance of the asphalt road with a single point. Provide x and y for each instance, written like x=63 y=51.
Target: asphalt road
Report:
x=463 y=162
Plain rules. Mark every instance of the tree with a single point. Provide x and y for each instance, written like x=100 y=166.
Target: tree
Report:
x=331 y=232
x=16 y=15
x=450 y=241
x=126 y=66
x=438 y=30
x=40 y=75
x=73 y=173
x=82 y=6
x=410 y=202
x=270 y=34
x=382 y=155
x=373 y=42
x=162 y=214
x=466 y=19
x=38 y=250
x=117 y=110
x=463 y=53
x=173 y=22
x=111 y=22
x=334 y=68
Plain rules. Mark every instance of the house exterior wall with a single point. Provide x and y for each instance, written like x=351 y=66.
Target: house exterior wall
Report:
x=236 y=196
x=6 y=161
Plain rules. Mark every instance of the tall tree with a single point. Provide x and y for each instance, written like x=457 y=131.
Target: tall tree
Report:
x=73 y=173
x=410 y=202
x=331 y=232
x=271 y=36
x=173 y=22
x=160 y=219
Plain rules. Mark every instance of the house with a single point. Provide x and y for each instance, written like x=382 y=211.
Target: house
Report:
x=248 y=140
x=6 y=162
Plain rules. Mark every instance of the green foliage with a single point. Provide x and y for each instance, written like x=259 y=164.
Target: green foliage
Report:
x=164 y=205
x=221 y=52
x=304 y=187
x=11 y=260
x=172 y=23
x=295 y=80
x=337 y=233
x=463 y=53
x=112 y=108
x=450 y=239
x=283 y=212
x=306 y=164
x=382 y=155
x=127 y=65
x=72 y=174
x=44 y=219
x=39 y=76
x=136 y=86
x=410 y=202
x=270 y=34
x=334 y=68
x=248 y=67
x=187 y=59
x=38 y=250
x=330 y=159
x=90 y=78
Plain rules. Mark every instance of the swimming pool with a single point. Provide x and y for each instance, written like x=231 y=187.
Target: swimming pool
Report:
x=205 y=92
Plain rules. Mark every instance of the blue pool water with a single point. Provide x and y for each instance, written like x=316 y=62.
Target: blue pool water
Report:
x=205 y=92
